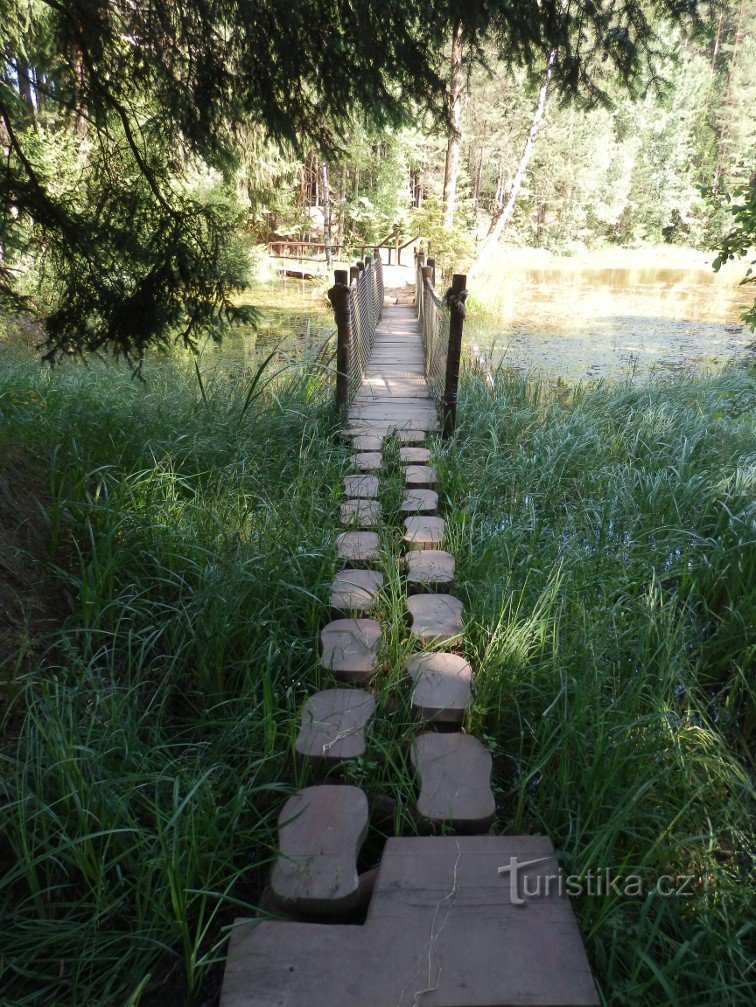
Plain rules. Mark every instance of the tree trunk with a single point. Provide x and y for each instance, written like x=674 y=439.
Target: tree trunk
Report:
x=326 y=200
x=503 y=214
x=454 y=109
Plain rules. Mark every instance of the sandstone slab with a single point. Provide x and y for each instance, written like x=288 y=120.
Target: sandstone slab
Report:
x=333 y=724
x=414 y=456
x=360 y=513
x=362 y=487
x=420 y=476
x=367 y=461
x=436 y=618
x=455 y=780
x=442 y=686
x=429 y=569
x=355 y=591
x=420 y=502
x=320 y=832
x=424 y=532
x=358 y=547
x=349 y=648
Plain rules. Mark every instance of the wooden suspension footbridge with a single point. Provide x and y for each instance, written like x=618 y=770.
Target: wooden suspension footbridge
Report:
x=444 y=921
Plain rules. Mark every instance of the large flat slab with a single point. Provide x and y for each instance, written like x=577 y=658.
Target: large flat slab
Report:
x=320 y=832
x=349 y=648
x=444 y=929
x=332 y=724
x=455 y=780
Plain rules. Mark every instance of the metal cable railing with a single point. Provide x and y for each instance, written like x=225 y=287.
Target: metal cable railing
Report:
x=433 y=316
x=440 y=322
x=358 y=306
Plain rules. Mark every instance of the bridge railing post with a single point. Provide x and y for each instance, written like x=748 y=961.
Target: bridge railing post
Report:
x=455 y=299
x=339 y=295
x=432 y=264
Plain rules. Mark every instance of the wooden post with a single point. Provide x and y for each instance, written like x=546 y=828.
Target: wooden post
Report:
x=432 y=264
x=339 y=296
x=455 y=298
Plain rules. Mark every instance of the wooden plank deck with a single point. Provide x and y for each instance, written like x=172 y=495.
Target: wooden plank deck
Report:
x=394 y=394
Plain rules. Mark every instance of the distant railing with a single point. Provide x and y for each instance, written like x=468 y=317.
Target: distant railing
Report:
x=357 y=299
x=315 y=251
x=441 y=320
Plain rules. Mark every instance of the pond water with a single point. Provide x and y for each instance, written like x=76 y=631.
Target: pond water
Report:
x=579 y=319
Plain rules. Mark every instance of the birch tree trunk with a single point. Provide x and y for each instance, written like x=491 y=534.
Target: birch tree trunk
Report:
x=503 y=214
x=454 y=108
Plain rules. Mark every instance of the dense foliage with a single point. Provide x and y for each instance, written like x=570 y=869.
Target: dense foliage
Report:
x=125 y=128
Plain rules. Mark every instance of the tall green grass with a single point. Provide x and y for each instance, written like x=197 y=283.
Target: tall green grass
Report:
x=605 y=548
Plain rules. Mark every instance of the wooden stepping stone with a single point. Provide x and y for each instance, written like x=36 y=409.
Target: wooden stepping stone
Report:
x=358 y=546
x=420 y=476
x=367 y=461
x=424 y=532
x=360 y=513
x=365 y=442
x=333 y=724
x=420 y=502
x=429 y=569
x=455 y=780
x=414 y=456
x=361 y=487
x=349 y=648
x=436 y=618
x=355 y=591
x=442 y=686
x=443 y=928
x=411 y=436
x=320 y=832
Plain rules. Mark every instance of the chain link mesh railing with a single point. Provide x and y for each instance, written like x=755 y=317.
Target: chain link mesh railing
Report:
x=433 y=316
x=365 y=307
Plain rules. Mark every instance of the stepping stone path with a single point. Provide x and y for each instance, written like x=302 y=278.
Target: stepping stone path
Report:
x=320 y=832
x=361 y=513
x=333 y=724
x=442 y=686
x=358 y=546
x=420 y=477
x=445 y=925
x=424 y=532
x=436 y=618
x=420 y=502
x=428 y=569
x=361 y=487
x=355 y=591
x=455 y=780
x=349 y=648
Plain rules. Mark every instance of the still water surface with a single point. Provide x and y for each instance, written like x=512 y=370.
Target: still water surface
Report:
x=578 y=320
